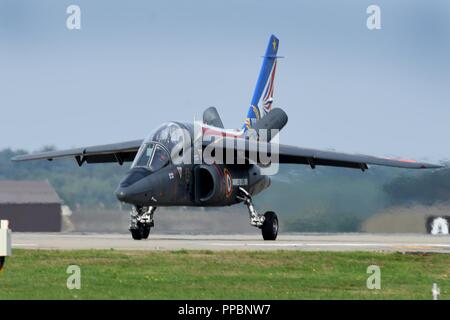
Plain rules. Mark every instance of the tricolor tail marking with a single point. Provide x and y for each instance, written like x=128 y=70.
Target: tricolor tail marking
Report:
x=264 y=86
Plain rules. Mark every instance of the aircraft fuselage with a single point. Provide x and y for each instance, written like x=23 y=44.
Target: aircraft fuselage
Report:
x=190 y=185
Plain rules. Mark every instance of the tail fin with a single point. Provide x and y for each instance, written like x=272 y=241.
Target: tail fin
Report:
x=264 y=85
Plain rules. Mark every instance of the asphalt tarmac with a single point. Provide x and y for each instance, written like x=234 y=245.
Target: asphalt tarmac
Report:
x=308 y=242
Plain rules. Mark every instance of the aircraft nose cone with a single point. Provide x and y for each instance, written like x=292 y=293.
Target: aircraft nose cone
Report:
x=121 y=195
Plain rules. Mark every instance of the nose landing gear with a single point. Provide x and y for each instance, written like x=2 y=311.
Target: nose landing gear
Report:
x=268 y=223
x=141 y=222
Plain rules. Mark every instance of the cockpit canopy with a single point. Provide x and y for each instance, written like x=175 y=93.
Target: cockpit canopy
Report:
x=155 y=151
x=168 y=134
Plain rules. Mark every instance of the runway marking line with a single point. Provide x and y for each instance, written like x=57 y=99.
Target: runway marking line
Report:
x=24 y=245
x=334 y=244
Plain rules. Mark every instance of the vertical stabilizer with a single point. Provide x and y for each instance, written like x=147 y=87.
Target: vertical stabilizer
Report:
x=261 y=103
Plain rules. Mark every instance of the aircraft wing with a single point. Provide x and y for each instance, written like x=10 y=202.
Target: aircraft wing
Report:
x=126 y=151
x=312 y=157
x=115 y=152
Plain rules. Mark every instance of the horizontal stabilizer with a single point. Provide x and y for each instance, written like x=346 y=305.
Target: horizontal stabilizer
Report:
x=276 y=119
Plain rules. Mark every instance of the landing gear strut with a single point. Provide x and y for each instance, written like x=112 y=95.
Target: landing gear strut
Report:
x=268 y=223
x=141 y=222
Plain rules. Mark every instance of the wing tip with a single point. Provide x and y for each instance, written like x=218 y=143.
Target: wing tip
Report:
x=17 y=158
x=432 y=166
x=27 y=157
x=420 y=165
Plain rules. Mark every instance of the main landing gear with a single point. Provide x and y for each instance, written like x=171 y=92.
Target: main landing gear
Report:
x=141 y=222
x=2 y=262
x=268 y=223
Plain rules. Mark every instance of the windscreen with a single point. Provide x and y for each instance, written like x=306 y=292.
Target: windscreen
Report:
x=151 y=156
x=159 y=160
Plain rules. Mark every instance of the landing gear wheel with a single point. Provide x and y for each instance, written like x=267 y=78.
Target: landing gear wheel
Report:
x=269 y=228
x=145 y=232
x=268 y=223
x=141 y=232
x=141 y=222
x=2 y=262
x=136 y=234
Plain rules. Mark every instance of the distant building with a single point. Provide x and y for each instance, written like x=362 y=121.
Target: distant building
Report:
x=30 y=206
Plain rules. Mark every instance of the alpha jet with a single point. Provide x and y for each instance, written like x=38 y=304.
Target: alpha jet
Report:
x=157 y=177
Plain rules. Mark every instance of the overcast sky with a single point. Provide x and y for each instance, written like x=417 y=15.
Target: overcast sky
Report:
x=136 y=64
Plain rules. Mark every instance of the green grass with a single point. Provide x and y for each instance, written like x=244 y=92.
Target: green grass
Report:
x=109 y=274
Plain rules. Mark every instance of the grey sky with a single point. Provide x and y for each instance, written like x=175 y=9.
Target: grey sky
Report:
x=136 y=64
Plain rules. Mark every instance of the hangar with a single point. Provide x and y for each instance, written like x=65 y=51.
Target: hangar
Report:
x=32 y=206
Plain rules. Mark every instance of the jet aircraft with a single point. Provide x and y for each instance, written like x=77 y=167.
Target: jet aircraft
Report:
x=155 y=179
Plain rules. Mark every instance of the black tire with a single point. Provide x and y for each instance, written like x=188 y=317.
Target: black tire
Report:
x=136 y=234
x=2 y=262
x=145 y=232
x=141 y=232
x=269 y=228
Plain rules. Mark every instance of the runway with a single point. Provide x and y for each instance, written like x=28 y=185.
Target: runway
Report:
x=307 y=242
